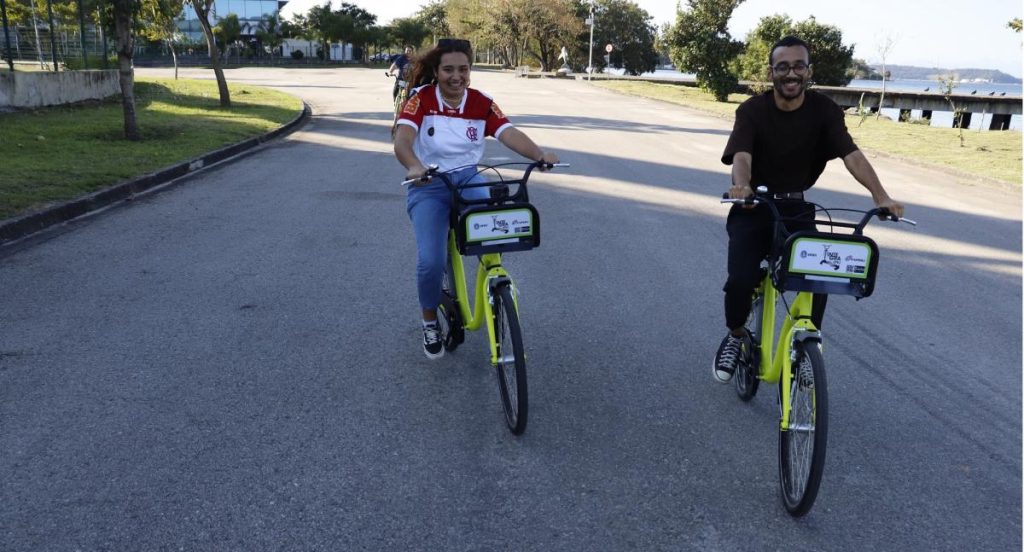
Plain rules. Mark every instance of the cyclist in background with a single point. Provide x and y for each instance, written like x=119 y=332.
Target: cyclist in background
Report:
x=444 y=123
x=400 y=67
x=781 y=139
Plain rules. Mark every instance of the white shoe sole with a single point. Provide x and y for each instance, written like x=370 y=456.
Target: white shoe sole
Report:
x=433 y=356
x=716 y=377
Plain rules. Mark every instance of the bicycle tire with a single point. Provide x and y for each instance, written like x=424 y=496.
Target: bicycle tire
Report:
x=449 y=313
x=802 y=446
x=511 y=369
x=399 y=104
x=749 y=364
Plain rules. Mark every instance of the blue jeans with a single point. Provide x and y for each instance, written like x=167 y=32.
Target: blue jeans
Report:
x=429 y=207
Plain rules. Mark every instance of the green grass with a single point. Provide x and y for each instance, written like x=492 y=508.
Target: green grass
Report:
x=56 y=154
x=988 y=154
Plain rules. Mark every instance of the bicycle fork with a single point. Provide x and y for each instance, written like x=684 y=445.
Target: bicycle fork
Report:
x=797 y=328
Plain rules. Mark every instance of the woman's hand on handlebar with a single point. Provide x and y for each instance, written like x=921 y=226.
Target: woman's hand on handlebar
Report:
x=547 y=160
x=418 y=174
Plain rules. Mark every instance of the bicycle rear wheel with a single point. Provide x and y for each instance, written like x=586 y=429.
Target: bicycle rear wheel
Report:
x=749 y=363
x=802 y=445
x=448 y=312
x=511 y=368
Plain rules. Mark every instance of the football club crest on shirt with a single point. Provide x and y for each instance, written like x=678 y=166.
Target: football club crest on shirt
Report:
x=412 y=105
x=472 y=134
x=497 y=110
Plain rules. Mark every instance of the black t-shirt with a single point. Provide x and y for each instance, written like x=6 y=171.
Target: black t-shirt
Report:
x=789 y=148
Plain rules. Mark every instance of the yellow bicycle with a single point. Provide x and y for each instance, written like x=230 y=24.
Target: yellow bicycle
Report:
x=502 y=221
x=807 y=262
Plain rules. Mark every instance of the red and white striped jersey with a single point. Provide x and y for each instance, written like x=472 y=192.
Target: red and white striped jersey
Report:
x=451 y=138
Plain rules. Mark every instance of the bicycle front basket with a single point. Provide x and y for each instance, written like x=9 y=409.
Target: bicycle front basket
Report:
x=482 y=229
x=820 y=262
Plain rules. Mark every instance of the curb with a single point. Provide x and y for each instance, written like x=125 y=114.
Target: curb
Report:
x=26 y=225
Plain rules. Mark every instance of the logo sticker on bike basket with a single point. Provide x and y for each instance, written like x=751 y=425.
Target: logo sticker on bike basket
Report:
x=486 y=226
x=843 y=259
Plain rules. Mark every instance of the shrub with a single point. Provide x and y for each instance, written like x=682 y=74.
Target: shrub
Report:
x=297 y=54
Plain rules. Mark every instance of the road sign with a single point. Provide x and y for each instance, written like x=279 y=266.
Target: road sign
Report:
x=608 y=48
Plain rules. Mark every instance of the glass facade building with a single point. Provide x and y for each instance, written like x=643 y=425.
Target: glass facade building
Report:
x=249 y=12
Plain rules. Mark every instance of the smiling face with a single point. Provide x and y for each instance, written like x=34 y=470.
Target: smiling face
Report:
x=791 y=84
x=453 y=74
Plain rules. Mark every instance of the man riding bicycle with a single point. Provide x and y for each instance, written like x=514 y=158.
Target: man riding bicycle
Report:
x=781 y=139
x=400 y=68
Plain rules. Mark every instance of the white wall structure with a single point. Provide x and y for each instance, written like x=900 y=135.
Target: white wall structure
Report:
x=39 y=89
x=338 y=52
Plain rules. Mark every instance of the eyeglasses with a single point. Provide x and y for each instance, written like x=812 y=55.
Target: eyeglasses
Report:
x=784 y=68
x=457 y=43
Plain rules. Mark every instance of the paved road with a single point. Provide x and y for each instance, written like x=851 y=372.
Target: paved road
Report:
x=233 y=364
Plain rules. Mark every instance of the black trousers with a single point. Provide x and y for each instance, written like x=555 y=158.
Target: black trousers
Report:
x=750 y=241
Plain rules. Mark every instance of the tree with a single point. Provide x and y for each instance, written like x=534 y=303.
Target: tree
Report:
x=885 y=46
x=202 y=9
x=832 y=60
x=229 y=31
x=363 y=23
x=549 y=25
x=1015 y=24
x=124 y=11
x=701 y=44
x=946 y=85
x=753 y=64
x=408 y=31
x=859 y=69
x=434 y=17
x=830 y=57
x=161 y=24
x=269 y=33
x=630 y=31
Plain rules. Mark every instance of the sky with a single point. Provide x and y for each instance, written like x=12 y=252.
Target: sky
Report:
x=951 y=34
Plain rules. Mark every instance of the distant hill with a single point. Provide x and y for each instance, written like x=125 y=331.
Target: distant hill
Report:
x=910 y=72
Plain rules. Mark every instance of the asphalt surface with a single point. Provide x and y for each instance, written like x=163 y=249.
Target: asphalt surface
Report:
x=234 y=363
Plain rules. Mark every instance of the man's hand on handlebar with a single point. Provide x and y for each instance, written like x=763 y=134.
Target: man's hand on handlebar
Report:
x=742 y=191
x=894 y=208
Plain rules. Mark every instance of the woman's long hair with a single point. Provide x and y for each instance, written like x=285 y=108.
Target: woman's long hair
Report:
x=425 y=70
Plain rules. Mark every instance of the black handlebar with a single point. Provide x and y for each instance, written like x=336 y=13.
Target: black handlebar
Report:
x=858 y=228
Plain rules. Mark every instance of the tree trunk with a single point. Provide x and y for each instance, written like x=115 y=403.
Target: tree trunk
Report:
x=174 y=56
x=126 y=75
x=202 y=12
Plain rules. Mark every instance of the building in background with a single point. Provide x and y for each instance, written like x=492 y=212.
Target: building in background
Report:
x=250 y=13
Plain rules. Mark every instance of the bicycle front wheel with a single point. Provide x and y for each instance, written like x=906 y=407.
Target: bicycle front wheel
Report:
x=802 y=444
x=511 y=368
x=448 y=311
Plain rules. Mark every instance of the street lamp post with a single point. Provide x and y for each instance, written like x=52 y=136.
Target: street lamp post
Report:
x=590 y=62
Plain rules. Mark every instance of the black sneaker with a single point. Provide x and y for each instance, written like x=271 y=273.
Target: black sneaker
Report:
x=726 y=358
x=433 y=343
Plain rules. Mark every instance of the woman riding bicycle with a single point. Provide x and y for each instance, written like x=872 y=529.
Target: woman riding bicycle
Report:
x=444 y=123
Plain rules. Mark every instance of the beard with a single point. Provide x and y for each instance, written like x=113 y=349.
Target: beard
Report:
x=787 y=92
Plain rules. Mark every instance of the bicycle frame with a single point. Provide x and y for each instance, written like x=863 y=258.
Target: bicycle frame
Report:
x=481 y=311
x=796 y=326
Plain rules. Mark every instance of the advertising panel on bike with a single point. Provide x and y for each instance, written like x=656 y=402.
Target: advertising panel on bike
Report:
x=830 y=257
x=486 y=229
x=841 y=264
